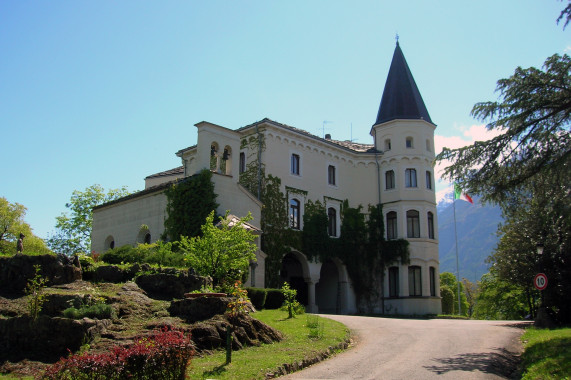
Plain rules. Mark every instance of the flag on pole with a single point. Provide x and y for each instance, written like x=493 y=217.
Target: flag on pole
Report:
x=458 y=194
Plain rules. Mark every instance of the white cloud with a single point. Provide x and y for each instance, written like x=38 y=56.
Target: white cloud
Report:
x=469 y=136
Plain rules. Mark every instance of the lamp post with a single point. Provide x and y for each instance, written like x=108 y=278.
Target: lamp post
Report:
x=540 y=247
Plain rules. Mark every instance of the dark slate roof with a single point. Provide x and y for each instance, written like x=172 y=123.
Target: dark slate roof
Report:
x=176 y=171
x=401 y=98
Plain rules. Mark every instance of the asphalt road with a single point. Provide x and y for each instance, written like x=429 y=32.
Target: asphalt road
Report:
x=388 y=348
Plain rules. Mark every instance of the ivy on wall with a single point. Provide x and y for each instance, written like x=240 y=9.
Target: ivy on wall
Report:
x=361 y=245
x=189 y=202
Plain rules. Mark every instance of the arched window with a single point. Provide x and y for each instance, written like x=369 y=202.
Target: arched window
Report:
x=332 y=221
x=410 y=178
x=414 y=281
x=389 y=179
x=147 y=238
x=430 y=217
x=109 y=242
x=392 y=232
x=412 y=224
x=214 y=153
x=294 y=214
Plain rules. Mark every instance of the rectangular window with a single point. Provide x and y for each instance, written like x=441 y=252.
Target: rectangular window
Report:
x=393 y=282
x=331 y=175
x=410 y=177
x=392 y=225
x=242 y=162
x=389 y=179
x=433 y=281
x=294 y=214
x=428 y=180
x=414 y=281
x=295 y=164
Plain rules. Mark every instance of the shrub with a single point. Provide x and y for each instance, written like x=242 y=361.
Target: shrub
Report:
x=447 y=299
x=98 y=311
x=157 y=253
x=164 y=355
x=35 y=291
x=257 y=297
x=274 y=299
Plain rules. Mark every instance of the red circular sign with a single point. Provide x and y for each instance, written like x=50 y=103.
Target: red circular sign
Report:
x=540 y=281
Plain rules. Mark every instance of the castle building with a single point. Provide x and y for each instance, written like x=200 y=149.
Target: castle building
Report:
x=396 y=170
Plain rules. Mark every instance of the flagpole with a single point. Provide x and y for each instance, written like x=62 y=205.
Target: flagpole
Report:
x=456 y=240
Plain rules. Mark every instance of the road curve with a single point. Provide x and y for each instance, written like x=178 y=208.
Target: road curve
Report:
x=388 y=348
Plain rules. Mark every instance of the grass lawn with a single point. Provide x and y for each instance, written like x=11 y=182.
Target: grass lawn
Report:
x=547 y=354
x=253 y=363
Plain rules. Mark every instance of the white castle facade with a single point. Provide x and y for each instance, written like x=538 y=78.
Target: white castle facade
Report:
x=396 y=170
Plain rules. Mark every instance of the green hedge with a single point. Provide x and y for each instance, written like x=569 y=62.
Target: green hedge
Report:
x=257 y=297
x=274 y=299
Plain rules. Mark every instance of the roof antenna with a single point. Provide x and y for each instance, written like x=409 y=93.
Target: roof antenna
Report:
x=323 y=127
x=397 y=37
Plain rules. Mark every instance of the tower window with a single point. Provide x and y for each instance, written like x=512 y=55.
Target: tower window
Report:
x=414 y=281
x=430 y=218
x=428 y=180
x=409 y=143
x=412 y=224
x=388 y=144
x=410 y=177
x=433 y=281
x=428 y=145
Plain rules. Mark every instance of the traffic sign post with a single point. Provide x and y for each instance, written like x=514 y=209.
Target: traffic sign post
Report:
x=540 y=281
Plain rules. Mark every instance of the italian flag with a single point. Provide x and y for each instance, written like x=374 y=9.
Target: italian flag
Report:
x=458 y=194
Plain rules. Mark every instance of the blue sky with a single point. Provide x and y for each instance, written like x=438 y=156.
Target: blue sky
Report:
x=104 y=92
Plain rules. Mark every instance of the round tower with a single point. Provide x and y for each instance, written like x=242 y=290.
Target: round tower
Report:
x=404 y=133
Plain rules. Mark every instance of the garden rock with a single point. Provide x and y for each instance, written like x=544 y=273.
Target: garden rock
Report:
x=171 y=284
x=45 y=338
x=16 y=271
x=199 y=309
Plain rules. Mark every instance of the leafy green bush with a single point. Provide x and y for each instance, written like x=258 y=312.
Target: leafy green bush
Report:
x=447 y=299
x=274 y=299
x=159 y=253
x=257 y=297
x=97 y=311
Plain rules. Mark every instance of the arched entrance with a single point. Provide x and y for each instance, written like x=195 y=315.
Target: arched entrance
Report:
x=293 y=272
x=327 y=291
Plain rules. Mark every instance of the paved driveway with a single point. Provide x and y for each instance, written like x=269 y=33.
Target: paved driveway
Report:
x=422 y=349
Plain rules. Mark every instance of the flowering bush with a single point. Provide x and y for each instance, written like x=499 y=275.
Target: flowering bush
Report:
x=164 y=355
x=241 y=304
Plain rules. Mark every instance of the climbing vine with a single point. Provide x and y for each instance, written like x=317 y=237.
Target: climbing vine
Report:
x=189 y=202
x=361 y=245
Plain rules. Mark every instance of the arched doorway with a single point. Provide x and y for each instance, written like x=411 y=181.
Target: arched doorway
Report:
x=292 y=272
x=327 y=292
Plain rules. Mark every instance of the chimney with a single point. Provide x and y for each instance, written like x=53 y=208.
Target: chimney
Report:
x=328 y=136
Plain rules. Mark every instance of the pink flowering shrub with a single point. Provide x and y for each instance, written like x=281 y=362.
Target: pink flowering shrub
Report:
x=164 y=355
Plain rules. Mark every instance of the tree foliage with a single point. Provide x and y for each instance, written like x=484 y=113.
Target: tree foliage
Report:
x=533 y=115
x=223 y=251
x=190 y=201
x=73 y=230
x=449 y=280
x=500 y=299
x=12 y=224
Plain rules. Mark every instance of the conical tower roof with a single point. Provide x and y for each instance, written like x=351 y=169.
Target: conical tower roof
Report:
x=401 y=98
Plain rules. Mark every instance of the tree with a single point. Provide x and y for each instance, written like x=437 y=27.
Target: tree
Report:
x=73 y=232
x=499 y=299
x=223 y=251
x=449 y=280
x=12 y=224
x=471 y=291
x=534 y=115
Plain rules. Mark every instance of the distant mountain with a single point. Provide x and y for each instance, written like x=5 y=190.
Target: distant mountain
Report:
x=476 y=227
